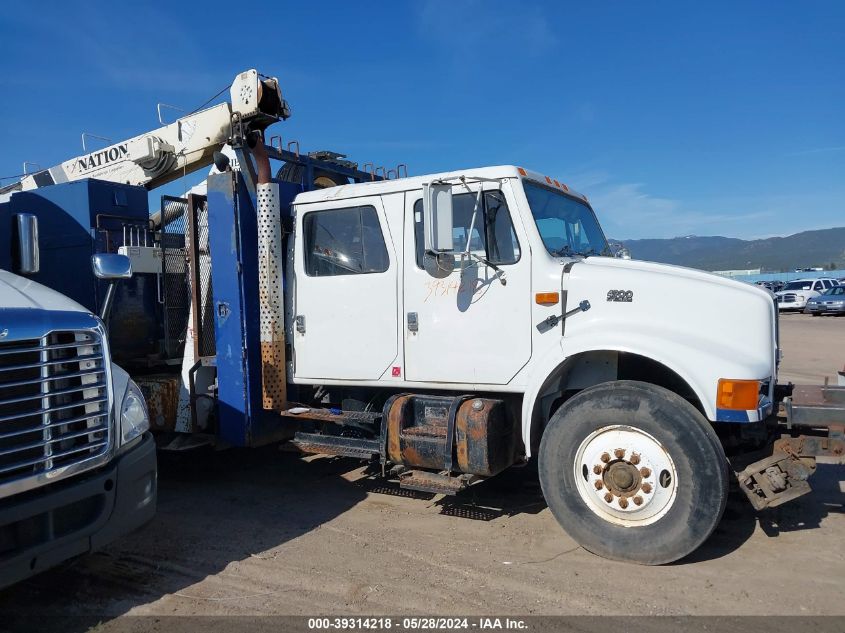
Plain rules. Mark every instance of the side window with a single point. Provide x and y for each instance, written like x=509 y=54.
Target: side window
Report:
x=344 y=242
x=490 y=236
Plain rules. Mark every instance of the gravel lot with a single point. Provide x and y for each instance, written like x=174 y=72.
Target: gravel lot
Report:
x=270 y=532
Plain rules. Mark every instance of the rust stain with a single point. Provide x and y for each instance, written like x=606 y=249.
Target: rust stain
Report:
x=394 y=428
x=162 y=395
x=274 y=379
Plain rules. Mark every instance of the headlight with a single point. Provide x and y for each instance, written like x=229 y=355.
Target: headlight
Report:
x=800 y=297
x=134 y=419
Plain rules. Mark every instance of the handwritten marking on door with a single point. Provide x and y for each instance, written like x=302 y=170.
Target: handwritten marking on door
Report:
x=447 y=288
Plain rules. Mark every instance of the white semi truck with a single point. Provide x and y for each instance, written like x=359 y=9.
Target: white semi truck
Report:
x=77 y=463
x=445 y=327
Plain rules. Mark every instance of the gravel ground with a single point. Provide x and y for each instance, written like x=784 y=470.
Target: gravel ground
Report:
x=270 y=532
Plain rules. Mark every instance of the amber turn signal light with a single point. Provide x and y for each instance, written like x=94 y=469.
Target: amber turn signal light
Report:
x=547 y=298
x=738 y=394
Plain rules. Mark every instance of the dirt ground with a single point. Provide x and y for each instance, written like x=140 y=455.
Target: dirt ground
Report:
x=270 y=532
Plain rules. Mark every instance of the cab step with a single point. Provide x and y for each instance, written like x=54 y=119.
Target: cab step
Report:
x=438 y=483
x=338 y=445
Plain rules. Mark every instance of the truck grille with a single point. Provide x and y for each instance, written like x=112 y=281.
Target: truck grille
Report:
x=54 y=404
x=790 y=298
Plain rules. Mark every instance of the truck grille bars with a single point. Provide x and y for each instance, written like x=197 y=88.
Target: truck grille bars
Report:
x=54 y=406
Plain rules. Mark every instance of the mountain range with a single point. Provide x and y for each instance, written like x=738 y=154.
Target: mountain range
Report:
x=824 y=248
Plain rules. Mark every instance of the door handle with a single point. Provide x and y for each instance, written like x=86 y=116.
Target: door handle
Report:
x=300 y=323
x=413 y=322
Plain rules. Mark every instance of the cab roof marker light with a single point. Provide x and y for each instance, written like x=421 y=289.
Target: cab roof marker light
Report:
x=548 y=180
x=521 y=171
x=557 y=184
x=565 y=188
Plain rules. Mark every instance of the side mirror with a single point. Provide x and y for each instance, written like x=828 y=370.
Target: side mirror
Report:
x=111 y=266
x=623 y=253
x=437 y=217
x=28 y=261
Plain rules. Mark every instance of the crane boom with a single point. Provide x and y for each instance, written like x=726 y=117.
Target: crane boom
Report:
x=156 y=157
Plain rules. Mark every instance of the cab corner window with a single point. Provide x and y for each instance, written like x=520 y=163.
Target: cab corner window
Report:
x=344 y=241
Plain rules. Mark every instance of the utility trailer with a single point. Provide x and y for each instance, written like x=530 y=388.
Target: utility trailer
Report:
x=445 y=328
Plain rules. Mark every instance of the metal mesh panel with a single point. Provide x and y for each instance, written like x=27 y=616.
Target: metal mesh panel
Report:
x=175 y=291
x=270 y=259
x=201 y=278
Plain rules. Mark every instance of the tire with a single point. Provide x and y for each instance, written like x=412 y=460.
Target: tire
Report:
x=291 y=172
x=670 y=521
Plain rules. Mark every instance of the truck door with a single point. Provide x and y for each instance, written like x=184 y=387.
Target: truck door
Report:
x=468 y=327
x=345 y=325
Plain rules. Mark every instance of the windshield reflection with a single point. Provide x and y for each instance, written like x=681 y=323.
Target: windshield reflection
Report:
x=567 y=225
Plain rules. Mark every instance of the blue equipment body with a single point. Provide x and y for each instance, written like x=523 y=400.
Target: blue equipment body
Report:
x=81 y=218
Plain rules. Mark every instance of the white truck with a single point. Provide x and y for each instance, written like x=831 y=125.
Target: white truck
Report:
x=77 y=464
x=498 y=282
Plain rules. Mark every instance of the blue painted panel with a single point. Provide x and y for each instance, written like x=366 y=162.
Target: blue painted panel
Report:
x=233 y=237
x=232 y=402
x=66 y=225
x=731 y=415
x=6 y=235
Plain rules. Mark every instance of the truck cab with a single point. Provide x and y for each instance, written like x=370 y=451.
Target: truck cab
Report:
x=77 y=463
x=487 y=304
x=523 y=251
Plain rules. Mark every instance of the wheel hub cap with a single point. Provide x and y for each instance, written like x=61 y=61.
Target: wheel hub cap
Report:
x=625 y=475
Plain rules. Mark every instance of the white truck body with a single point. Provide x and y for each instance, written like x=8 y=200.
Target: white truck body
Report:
x=474 y=333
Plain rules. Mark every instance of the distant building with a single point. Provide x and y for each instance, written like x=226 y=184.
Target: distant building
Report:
x=737 y=273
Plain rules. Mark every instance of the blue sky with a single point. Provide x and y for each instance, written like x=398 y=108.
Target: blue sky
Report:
x=674 y=118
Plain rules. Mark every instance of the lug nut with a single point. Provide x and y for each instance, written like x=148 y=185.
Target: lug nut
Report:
x=597 y=469
x=623 y=503
x=605 y=457
x=645 y=472
x=635 y=459
x=608 y=497
x=619 y=452
x=599 y=485
x=638 y=500
x=646 y=487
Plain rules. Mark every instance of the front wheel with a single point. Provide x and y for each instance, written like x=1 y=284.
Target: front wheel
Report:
x=633 y=472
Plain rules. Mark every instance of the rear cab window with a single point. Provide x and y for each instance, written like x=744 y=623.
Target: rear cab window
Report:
x=346 y=241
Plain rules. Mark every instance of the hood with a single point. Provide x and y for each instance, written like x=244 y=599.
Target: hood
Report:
x=678 y=272
x=20 y=292
x=674 y=314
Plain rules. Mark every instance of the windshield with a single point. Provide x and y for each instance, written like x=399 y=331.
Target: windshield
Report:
x=567 y=225
x=797 y=285
x=836 y=290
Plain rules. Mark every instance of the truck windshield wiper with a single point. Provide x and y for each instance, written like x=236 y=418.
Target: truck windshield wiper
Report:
x=563 y=251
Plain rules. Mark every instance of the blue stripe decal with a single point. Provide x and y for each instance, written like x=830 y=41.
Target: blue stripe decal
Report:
x=732 y=415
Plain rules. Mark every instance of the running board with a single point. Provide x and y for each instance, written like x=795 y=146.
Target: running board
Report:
x=337 y=445
x=438 y=483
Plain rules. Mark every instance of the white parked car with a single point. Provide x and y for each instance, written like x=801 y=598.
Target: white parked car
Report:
x=796 y=294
